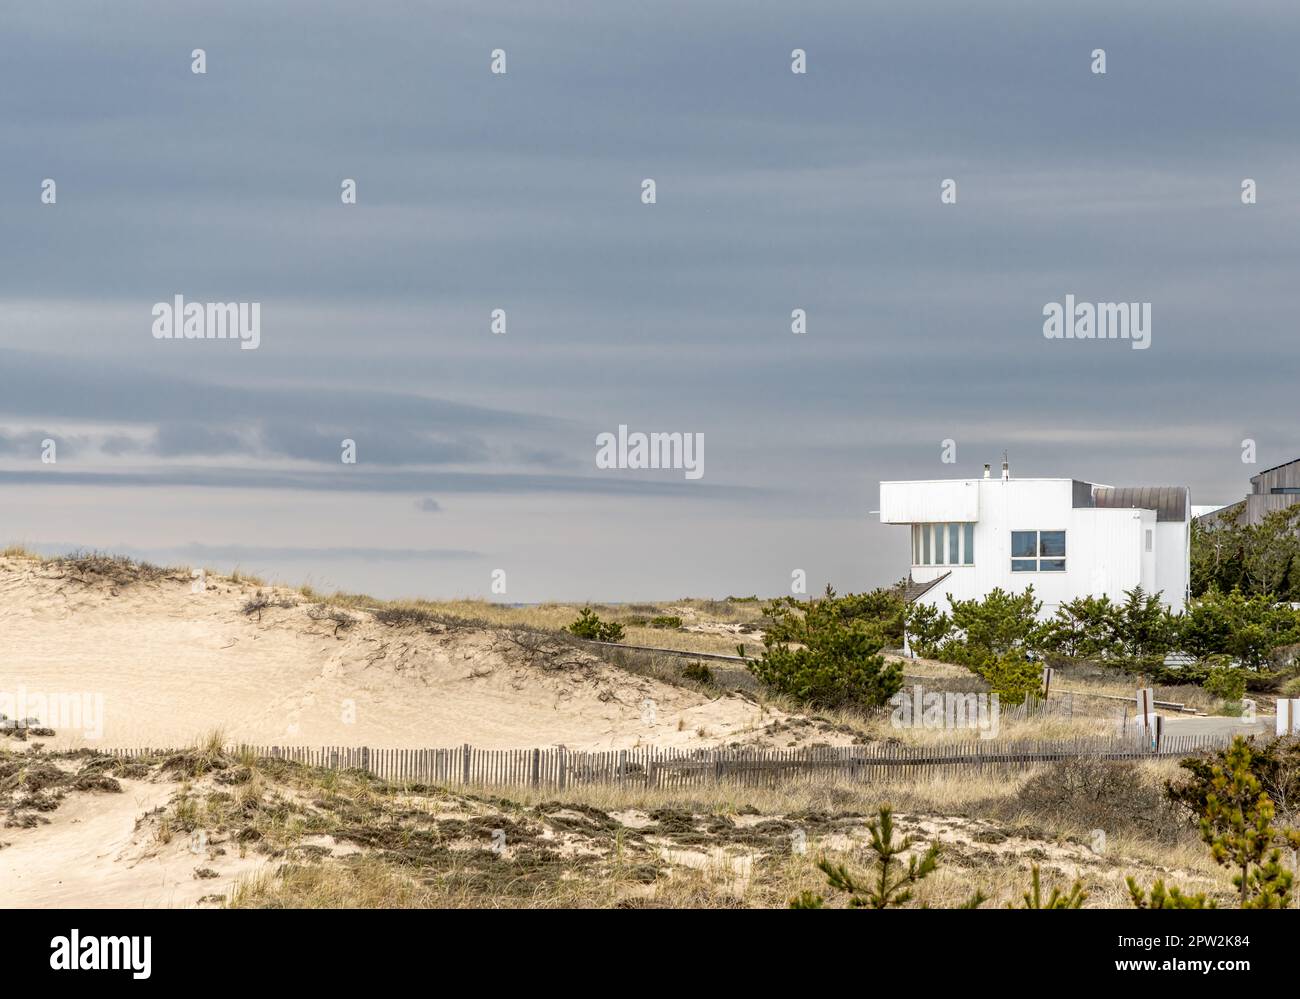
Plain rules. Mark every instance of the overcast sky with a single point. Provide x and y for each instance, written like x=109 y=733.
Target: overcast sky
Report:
x=522 y=191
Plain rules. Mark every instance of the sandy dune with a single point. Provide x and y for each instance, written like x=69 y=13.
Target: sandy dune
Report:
x=171 y=664
x=93 y=852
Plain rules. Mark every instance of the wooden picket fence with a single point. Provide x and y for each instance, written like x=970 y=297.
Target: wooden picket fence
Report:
x=467 y=766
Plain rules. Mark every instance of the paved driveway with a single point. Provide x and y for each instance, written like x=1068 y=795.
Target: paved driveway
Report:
x=1214 y=725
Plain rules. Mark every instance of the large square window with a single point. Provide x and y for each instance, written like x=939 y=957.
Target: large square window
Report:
x=1038 y=551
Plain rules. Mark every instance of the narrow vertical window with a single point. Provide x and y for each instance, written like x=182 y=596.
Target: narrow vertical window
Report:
x=968 y=551
x=954 y=544
x=925 y=544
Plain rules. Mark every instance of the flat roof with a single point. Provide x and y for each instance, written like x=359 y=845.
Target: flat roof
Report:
x=991 y=478
x=1170 y=503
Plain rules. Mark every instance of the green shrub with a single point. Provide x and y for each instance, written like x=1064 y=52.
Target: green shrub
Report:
x=999 y=624
x=817 y=655
x=882 y=607
x=1275 y=764
x=1013 y=678
x=1084 y=628
x=1144 y=627
x=927 y=629
x=1260 y=559
x=666 y=621
x=592 y=627
x=1095 y=628
x=1249 y=629
x=1224 y=681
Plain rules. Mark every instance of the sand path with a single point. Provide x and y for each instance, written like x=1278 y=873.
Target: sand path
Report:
x=91 y=855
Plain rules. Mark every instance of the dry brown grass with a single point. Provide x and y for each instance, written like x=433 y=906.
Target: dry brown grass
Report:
x=718 y=847
x=725 y=623
x=346 y=839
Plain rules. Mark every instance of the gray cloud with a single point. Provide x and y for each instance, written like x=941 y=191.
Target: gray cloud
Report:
x=200 y=554
x=348 y=479
x=775 y=192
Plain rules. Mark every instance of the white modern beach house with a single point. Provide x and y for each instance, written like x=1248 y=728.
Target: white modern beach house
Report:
x=1066 y=537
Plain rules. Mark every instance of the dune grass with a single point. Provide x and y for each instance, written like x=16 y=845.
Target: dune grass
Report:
x=720 y=847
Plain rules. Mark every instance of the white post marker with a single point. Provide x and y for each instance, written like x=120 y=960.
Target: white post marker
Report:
x=1288 y=716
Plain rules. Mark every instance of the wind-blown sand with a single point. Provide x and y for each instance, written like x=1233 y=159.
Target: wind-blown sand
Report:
x=171 y=664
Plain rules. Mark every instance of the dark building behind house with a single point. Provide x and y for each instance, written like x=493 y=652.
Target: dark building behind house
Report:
x=1276 y=488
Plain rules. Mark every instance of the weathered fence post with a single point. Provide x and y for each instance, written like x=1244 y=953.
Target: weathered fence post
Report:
x=464 y=766
x=1146 y=697
x=537 y=768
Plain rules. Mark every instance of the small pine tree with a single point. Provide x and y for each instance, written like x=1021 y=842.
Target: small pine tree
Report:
x=927 y=629
x=590 y=626
x=1160 y=898
x=1033 y=899
x=1237 y=825
x=889 y=886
